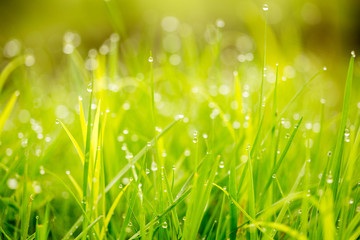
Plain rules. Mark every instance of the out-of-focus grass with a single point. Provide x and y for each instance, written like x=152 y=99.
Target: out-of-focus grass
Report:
x=202 y=138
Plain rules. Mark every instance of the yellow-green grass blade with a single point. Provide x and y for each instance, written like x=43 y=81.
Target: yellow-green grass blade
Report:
x=8 y=109
x=82 y=120
x=73 y=140
x=327 y=215
x=75 y=184
x=88 y=228
x=111 y=211
x=283 y=228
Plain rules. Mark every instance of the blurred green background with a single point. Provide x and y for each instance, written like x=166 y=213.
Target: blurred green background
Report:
x=325 y=27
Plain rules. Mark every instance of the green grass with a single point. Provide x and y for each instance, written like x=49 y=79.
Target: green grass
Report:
x=159 y=149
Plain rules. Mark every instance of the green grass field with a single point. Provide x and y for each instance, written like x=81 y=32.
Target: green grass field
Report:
x=169 y=135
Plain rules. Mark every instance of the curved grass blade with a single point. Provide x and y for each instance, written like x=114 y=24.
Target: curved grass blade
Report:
x=8 y=109
x=9 y=68
x=252 y=220
x=73 y=140
x=283 y=228
x=111 y=211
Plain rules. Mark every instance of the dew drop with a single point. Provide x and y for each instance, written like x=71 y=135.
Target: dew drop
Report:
x=42 y=171
x=57 y=121
x=150 y=59
x=164 y=225
x=154 y=166
x=195 y=138
x=221 y=164
x=347 y=135
x=265 y=7
x=353 y=54
x=90 y=88
x=329 y=180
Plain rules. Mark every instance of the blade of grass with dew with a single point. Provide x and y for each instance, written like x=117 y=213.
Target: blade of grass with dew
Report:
x=175 y=218
x=74 y=227
x=348 y=176
x=283 y=228
x=221 y=113
x=86 y=162
x=137 y=157
x=9 y=171
x=259 y=114
x=166 y=211
x=336 y=159
x=129 y=212
x=8 y=109
x=199 y=197
x=84 y=232
x=284 y=152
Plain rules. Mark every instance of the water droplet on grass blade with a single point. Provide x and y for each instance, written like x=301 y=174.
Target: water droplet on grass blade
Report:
x=265 y=7
x=151 y=59
x=89 y=88
x=347 y=135
x=221 y=164
x=154 y=166
x=42 y=171
x=353 y=54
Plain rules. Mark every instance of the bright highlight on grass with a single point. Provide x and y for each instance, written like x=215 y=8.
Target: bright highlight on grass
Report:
x=180 y=142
